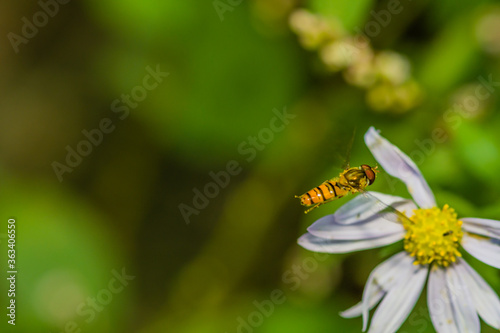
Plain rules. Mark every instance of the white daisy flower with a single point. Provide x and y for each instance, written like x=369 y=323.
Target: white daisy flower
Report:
x=432 y=236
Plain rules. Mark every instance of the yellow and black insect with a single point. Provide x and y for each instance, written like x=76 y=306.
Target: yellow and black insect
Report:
x=351 y=180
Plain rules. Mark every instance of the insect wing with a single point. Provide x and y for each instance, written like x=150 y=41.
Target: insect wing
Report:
x=391 y=212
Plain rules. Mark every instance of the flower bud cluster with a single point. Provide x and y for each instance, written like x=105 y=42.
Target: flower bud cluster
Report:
x=385 y=75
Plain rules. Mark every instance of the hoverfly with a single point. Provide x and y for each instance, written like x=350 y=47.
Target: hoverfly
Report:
x=354 y=180
x=351 y=180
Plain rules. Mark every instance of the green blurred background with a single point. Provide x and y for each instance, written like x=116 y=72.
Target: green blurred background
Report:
x=232 y=67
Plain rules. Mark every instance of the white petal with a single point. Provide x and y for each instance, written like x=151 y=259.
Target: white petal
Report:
x=438 y=302
x=376 y=227
x=485 y=249
x=485 y=299
x=357 y=310
x=450 y=304
x=382 y=278
x=378 y=283
x=398 y=164
x=398 y=211
x=485 y=227
x=487 y=223
x=364 y=206
x=318 y=244
x=400 y=299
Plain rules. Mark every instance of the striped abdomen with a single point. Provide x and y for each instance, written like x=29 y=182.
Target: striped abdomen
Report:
x=327 y=191
x=351 y=180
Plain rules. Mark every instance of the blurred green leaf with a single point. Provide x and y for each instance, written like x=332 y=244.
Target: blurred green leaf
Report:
x=446 y=61
x=351 y=14
x=60 y=243
x=479 y=153
x=147 y=18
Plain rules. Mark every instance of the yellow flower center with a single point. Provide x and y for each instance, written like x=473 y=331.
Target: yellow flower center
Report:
x=433 y=235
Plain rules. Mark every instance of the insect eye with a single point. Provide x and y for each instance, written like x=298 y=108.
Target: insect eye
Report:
x=370 y=174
